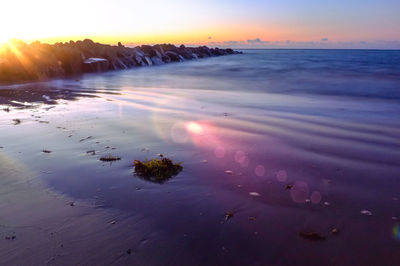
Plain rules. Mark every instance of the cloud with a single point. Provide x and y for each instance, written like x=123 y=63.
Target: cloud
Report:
x=324 y=43
x=255 y=41
x=231 y=43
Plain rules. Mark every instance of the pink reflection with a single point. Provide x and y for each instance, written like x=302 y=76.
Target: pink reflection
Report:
x=281 y=176
x=202 y=134
x=316 y=197
x=240 y=157
x=194 y=128
x=245 y=163
x=299 y=192
x=259 y=170
x=219 y=152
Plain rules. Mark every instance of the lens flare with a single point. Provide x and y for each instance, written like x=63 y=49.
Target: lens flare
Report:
x=281 y=176
x=259 y=170
x=300 y=192
x=194 y=128
x=316 y=197
x=396 y=232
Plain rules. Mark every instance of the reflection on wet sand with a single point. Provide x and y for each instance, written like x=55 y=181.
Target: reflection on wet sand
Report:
x=268 y=178
x=30 y=95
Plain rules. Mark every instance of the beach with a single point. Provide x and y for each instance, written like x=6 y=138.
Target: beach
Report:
x=275 y=145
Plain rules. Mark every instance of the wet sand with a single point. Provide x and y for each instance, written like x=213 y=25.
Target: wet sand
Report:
x=278 y=164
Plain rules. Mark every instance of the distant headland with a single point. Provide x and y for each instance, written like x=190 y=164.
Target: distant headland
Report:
x=20 y=61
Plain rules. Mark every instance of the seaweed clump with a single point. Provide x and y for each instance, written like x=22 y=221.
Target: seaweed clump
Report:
x=157 y=170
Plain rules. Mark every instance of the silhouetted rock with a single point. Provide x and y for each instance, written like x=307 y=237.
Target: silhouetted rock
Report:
x=36 y=61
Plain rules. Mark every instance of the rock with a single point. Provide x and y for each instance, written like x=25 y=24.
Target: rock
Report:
x=174 y=57
x=69 y=58
x=335 y=231
x=311 y=236
x=366 y=212
x=17 y=121
x=228 y=215
x=95 y=65
x=148 y=61
x=157 y=60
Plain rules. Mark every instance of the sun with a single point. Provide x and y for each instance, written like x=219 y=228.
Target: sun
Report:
x=4 y=39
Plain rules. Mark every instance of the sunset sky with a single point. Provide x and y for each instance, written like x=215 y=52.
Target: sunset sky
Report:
x=235 y=23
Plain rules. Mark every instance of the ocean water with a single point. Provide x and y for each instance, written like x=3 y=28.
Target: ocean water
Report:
x=288 y=141
x=359 y=73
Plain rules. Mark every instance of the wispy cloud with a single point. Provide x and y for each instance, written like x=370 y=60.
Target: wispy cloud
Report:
x=323 y=43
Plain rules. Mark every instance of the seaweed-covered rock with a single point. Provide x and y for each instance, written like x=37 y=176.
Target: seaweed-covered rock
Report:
x=157 y=170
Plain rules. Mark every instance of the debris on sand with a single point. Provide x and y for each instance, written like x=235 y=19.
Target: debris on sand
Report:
x=46 y=151
x=335 y=231
x=254 y=194
x=204 y=161
x=229 y=172
x=16 y=121
x=72 y=204
x=366 y=212
x=129 y=251
x=92 y=152
x=110 y=158
x=85 y=139
x=288 y=187
x=252 y=218
x=7 y=109
x=311 y=236
x=157 y=170
x=228 y=215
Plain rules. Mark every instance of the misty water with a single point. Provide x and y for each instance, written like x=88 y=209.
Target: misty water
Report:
x=287 y=141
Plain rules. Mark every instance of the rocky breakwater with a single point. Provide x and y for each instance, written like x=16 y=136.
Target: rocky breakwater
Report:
x=36 y=61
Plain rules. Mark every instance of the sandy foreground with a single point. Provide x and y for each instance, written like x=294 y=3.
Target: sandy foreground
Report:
x=49 y=231
x=261 y=170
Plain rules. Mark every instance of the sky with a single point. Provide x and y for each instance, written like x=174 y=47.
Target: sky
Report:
x=234 y=23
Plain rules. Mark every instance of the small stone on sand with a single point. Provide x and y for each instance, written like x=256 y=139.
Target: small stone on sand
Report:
x=366 y=212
